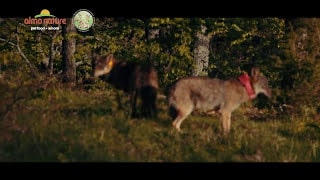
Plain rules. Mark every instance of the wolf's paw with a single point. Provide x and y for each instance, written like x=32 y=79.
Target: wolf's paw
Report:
x=180 y=131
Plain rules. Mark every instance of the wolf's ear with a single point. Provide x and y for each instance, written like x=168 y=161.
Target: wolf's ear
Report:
x=110 y=61
x=110 y=56
x=255 y=72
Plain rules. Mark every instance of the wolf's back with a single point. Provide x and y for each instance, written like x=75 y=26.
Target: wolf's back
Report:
x=193 y=92
x=187 y=87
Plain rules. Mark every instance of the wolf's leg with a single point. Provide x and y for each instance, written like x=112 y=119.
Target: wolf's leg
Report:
x=148 y=97
x=119 y=101
x=153 y=109
x=182 y=115
x=134 y=96
x=226 y=122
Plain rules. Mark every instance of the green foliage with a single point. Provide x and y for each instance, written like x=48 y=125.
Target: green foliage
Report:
x=245 y=43
x=64 y=125
x=285 y=49
x=41 y=120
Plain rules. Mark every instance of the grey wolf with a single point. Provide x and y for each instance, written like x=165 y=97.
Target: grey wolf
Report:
x=212 y=95
x=135 y=79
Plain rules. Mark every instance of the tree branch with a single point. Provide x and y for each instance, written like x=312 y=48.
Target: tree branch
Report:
x=21 y=53
x=11 y=43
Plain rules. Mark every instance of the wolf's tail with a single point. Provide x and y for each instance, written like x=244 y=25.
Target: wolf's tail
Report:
x=149 y=97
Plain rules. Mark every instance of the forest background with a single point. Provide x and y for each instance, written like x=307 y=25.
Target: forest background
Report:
x=49 y=111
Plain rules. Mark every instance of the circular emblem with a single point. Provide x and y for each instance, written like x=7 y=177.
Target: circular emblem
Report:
x=83 y=20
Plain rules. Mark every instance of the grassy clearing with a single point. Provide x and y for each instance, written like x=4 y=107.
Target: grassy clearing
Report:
x=63 y=125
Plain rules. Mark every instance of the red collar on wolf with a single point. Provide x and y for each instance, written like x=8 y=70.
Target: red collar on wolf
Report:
x=245 y=80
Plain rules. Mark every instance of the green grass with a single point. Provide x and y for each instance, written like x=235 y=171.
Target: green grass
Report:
x=63 y=125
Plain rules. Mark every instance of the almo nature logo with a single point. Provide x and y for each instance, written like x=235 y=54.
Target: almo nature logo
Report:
x=45 y=19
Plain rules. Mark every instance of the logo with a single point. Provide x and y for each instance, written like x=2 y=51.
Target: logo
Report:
x=44 y=13
x=47 y=20
x=83 y=20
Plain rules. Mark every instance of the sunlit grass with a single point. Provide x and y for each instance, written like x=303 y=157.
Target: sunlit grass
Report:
x=64 y=125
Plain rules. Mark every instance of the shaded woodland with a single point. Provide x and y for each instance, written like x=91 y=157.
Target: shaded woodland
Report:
x=45 y=64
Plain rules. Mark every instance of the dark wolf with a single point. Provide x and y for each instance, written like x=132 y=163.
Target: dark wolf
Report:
x=212 y=95
x=138 y=80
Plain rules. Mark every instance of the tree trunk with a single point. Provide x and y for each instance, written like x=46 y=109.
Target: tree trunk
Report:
x=68 y=50
x=201 y=52
x=151 y=34
x=52 y=53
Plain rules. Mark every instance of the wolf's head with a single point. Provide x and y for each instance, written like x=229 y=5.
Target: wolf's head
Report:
x=103 y=65
x=260 y=82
